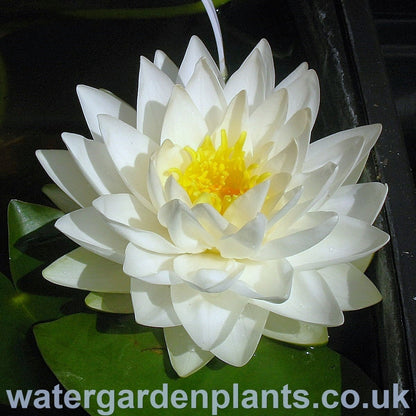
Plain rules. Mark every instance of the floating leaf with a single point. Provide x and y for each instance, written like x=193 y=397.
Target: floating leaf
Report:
x=29 y=299
x=112 y=353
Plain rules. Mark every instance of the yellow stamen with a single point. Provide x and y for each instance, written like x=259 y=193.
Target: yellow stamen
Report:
x=218 y=176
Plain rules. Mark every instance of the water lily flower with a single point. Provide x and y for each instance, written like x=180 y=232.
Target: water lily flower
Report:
x=209 y=213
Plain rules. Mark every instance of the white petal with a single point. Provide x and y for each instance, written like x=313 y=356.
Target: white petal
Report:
x=250 y=77
x=95 y=102
x=266 y=53
x=59 y=198
x=297 y=128
x=152 y=304
x=168 y=156
x=95 y=164
x=246 y=242
x=293 y=76
x=248 y=205
x=84 y=270
x=175 y=191
x=284 y=161
x=294 y=331
x=344 y=155
x=126 y=209
x=184 y=229
x=88 y=229
x=350 y=240
x=130 y=152
x=310 y=230
x=183 y=123
x=241 y=343
x=362 y=201
x=369 y=135
x=155 y=88
x=207 y=272
x=207 y=317
x=207 y=94
x=310 y=301
x=211 y=219
x=154 y=187
x=185 y=356
x=109 y=302
x=62 y=169
x=268 y=117
x=352 y=288
x=194 y=52
x=283 y=205
x=269 y=280
x=148 y=266
x=164 y=63
x=234 y=122
x=304 y=93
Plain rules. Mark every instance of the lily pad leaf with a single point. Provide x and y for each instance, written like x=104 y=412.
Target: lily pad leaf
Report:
x=129 y=365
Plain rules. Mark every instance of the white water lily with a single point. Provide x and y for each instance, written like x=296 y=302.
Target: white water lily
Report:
x=209 y=213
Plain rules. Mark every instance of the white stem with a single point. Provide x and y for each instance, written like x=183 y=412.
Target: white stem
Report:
x=213 y=18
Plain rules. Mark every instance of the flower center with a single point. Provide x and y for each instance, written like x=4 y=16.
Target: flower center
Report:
x=218 y=176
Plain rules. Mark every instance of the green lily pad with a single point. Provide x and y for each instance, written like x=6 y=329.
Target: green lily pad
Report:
x=29 y=299
x=112 y=355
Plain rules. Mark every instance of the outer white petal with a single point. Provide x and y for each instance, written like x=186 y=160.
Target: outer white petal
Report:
x=84 y=270
x=185 y=356
x=194 y=52
x=183 y=124
x=304 y=93
x=350 y=240
x=310 y=301
x=150 y=267
x=241 y=343
x=127 y=210
x=310 y=230
x=267 y=280
x=369 y=134
x=352 y=288
x=293 y=76
x=152 y=304
x=248 y=205
x=184 y=229
x=362 y=201
x=164 y=63
x=109 y=302
x=268 y=117
x=207 y=94
x=95 y=102
x=88 y=229
x=155 y=88
x=294 y=331
x=246 y=242
x=130 y=152
x=344 y=155
x=62 y=169
x=207 y=272
x=59 y=198
x=266 y=53
x=95 y=163
x=250 y=77
x=207 y=317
